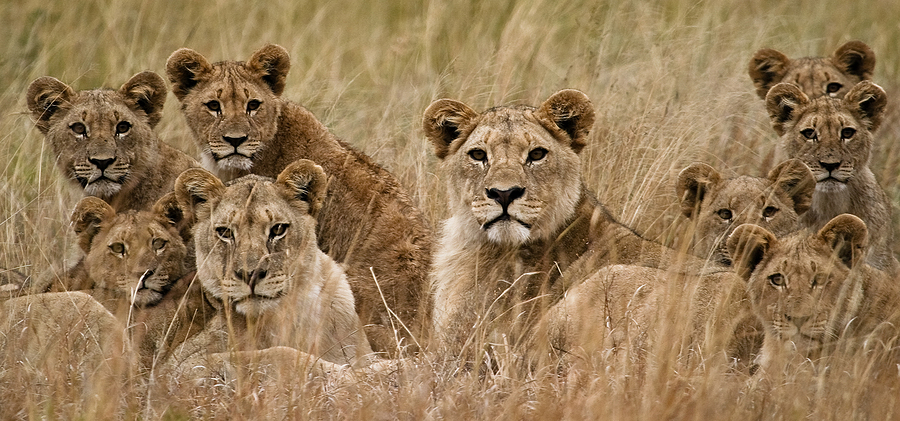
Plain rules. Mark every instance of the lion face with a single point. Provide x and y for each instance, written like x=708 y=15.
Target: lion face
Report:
x=255 y=238
x=831 y=76
x=232 y=107
x=513 y=173
x=802 y=287
x=103 y=139
x=137 y=255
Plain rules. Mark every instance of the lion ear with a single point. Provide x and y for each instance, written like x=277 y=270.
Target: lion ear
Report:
x=146 y=92
x=197 y=190
x=767 y=68
x=186 y=68
x=846 y=234
x=794 y=178
x=169 y=212
x=271 y=63
x=443 y=123
x=782 y=103
x=87 y=217
x=747 y=246
x=867 y=101
x=305 y=181
x=692 y=186
x=571 y=111
x=45 y=97
x=855 y=58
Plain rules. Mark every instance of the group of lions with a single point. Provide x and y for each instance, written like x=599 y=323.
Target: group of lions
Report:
x=283 y=242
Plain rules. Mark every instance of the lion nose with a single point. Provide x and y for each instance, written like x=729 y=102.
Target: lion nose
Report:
x=251 y=277
x=797 y=321
x=505 y=197
x=235 y=141
x=102 y=164
x=830 y=166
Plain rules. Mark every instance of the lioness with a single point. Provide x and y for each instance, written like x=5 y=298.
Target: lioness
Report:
x=367 y=222
x=834 y=138
x=816 y=76
x=258 y=261
x=717 y=205
x=812 y=291
x=103 y=140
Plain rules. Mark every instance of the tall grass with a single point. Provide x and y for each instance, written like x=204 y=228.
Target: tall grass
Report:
x=668 y=81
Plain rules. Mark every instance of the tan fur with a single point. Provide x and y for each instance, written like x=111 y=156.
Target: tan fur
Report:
x=816 y=132
x=258 y=261
x=117 y=157
x=520 y=216
x=717 y=205
x=813 y=290
x=816 y=76
x=367 y=220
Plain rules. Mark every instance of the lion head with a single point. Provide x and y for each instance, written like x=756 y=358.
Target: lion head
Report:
x=232 y=107
x=513 y=173
x=816 y=76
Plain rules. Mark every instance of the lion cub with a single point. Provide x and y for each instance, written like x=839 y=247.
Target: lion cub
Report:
x=103 y=140
x=816 y=76
x=717 y=205
x=368 y=222
x=834 y=138
x=814 y=292
x=258 y=261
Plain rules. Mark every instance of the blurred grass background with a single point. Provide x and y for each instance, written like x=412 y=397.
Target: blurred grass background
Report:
x=668 y=81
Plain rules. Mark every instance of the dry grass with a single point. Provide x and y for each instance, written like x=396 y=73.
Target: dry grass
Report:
x=668 y=80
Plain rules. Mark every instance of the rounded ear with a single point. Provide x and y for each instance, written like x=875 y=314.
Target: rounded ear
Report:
x=572 y=112
x=855 y=58
x=747 y=246
x=146 y=92
x=271 y=63
x=169 y=212
x=794 y=178
x=196 y=190
x=867 y=101
x=847 y=235
x=782 y=103
x=45 y=96
x=87 y=218
x=767 y=68
x=305 y=181
x=443 y=123
x=692 y=184
x=185 y=69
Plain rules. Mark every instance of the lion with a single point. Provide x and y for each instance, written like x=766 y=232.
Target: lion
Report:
x=259 y=264
x=717 y=205
x=832 y=76
x=834 y=138
x=368 y=222
x=520 y=217
x=103 y=140
x=813 y=291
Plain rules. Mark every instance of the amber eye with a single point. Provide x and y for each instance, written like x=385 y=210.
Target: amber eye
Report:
x=769 y=211
x=537 y=154
x=478 y=155
x=158 y=244
x=724 y=214
x=117 y=248
x=252 y=105
x=123 y=127
x=776 y=280
x=833 y=87
x=214 y=106
x=277 y=231
x=847 y=133
x=809 y=134
x=78 y=128
x=225 y=234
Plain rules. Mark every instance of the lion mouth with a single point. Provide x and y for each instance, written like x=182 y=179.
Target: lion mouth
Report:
x=503 y=218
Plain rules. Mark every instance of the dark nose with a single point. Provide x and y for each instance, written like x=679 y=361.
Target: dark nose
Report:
x=251 y=277
x=798 y=321
x=830 y=166
x=102 y=164
x=505 y=197
x=235 y=141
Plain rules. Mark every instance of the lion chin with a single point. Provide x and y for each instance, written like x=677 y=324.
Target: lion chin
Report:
x=103 y=187
x=255 y=306
x=508 y=233
x=831 y=185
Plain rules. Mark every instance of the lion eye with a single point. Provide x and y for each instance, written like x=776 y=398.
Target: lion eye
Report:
x=252 y=105
x=478 y=155
x=724 y=214
x=225 y=234
x=847 y=133
x=809 y=134
x=776 y=280
x=214 y=106
x=158 y=244
x=833 y=87
x=277 y=231
x=537 y=154
x=769 y=211
x=78 y=128
x=117 y=248
x=123 y=127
